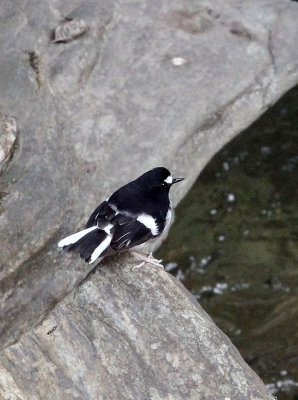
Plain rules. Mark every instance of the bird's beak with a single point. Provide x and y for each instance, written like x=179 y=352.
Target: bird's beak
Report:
x=176 y=180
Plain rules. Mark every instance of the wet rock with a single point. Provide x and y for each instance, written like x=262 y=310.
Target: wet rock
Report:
x=127 y=334
x=143 y=87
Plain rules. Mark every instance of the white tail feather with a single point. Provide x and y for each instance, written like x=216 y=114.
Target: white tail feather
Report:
x=101 y=248
x=75 y=237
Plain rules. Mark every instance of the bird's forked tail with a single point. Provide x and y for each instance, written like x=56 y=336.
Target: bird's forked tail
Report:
x=89 y=243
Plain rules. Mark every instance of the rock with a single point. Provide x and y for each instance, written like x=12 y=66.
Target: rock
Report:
x=144 y=86
x=69 y=30
x=8 y=138
x=127 y=335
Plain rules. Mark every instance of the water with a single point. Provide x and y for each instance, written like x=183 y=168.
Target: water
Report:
x=234 y=244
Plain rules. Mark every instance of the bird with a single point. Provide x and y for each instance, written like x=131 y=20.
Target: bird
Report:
x=136 y=214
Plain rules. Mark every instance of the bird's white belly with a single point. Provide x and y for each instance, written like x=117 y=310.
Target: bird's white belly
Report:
x=168 y=218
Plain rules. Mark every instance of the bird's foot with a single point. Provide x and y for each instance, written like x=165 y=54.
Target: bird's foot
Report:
x=146 y=260
x=151 y=257
x=138 y=266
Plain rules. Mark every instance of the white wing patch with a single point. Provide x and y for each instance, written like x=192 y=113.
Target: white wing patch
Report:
x=75 y=237
x=149 y=222
x=169 y=180
x=168 y=218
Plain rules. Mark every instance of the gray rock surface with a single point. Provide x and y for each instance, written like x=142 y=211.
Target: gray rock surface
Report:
x=8 y=140
x=143 y=84
x=127 y=335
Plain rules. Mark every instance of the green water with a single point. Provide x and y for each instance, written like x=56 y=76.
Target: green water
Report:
x=234 y=244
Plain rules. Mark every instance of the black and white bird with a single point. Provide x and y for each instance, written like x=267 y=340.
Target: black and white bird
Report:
x=134 y=215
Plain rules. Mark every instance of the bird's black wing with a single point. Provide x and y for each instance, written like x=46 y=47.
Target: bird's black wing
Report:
x=101 y=216
x=128 y=232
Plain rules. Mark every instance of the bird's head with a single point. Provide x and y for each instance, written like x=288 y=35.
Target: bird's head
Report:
x=158 y=180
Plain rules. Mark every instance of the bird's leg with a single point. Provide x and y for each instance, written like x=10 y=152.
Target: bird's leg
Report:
x=146 y=259
x=150 y=259
x=143 y=256
x=151 y=256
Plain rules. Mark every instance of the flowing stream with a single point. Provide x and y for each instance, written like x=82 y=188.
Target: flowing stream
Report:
x=234 y=244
